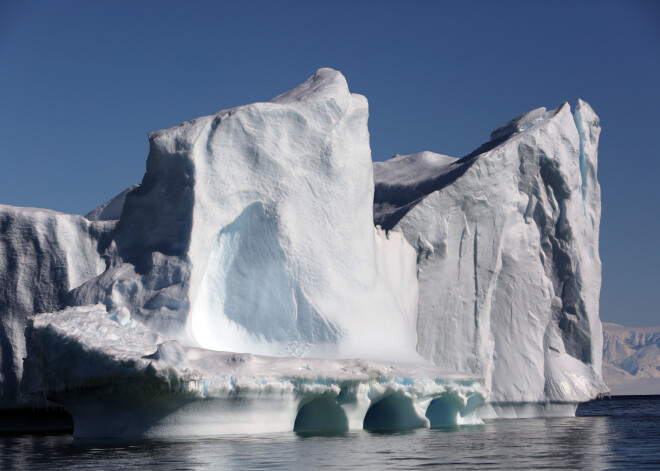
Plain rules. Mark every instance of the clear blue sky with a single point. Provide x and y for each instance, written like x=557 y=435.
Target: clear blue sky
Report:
x=83 y=82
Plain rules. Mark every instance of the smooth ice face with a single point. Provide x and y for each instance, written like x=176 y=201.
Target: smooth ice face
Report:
x=507 y=246
x=43 y=255
x=253 y=231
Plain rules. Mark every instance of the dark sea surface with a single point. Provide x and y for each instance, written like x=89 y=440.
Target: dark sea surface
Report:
x=621 y=433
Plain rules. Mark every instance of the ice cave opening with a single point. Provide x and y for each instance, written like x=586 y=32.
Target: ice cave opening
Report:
x=395 y=411
x=444 y=410
x=322 y=414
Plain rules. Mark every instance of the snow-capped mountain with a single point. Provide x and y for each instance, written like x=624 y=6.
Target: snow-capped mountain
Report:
x=631 y=359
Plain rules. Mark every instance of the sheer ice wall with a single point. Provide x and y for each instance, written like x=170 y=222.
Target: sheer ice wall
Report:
x=252 y=231
x=507 y=246
x=43 y=255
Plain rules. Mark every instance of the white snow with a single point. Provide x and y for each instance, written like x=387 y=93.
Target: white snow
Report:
x=631 y=359
x=507 y=244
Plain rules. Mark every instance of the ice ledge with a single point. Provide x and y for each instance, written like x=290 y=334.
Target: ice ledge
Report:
x=119 y=379
x=526 y=410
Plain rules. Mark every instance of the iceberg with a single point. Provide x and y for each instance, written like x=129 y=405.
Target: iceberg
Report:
x=266 y=276
x=252 y=232
x=507 y=253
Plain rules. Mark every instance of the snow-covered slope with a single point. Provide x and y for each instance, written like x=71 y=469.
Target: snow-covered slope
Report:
x=507 y=248
x=631 y=359
x=253 y=231
x=43 y=255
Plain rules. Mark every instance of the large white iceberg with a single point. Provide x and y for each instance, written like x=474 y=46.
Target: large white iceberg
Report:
x=508 y=266
x=242 y=286
x=252 y=232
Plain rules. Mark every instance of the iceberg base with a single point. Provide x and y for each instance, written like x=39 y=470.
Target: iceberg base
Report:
x=527 y=410
x=123 y=380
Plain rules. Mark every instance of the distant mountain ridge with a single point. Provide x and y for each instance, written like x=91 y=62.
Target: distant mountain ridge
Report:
x=631 y=359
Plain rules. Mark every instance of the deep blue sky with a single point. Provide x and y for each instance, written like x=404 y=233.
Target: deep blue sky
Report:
x=83 y=82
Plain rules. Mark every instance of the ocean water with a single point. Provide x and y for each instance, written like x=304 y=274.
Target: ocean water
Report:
x=621 y=433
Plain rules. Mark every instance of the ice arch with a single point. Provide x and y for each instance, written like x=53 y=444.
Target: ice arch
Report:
x=321 y=414
x=395 y=411
x=444 y=410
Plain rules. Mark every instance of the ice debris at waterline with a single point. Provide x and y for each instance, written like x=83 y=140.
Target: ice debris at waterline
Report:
x=253 y=232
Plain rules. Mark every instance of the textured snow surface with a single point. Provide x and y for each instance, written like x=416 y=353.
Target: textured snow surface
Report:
x=43 y=255
x=119 y=378
x=631 y=359
x=507 y=249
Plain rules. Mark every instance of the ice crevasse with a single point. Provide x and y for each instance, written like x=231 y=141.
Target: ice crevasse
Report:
x=253 y=232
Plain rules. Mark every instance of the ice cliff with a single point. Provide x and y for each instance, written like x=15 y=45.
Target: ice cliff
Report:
x=252 y=232
x=43 y=255
x=507 y=250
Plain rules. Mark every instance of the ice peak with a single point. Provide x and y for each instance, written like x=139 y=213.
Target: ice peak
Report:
x=524 y=121
x=586 y=112
x=325 y=83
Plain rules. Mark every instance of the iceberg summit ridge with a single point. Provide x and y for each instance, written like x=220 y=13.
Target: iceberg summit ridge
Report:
x=267 y=276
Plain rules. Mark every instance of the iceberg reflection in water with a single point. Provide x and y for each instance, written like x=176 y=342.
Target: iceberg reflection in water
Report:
x=609 y=434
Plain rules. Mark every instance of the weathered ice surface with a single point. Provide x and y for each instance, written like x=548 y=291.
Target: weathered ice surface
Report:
x=43 y=255
x=252 y=231
x=631 y=359
x=120 y=379
x=508 y=265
